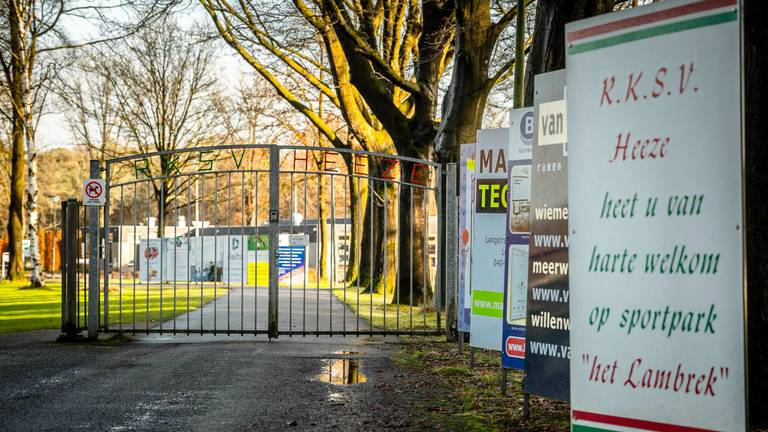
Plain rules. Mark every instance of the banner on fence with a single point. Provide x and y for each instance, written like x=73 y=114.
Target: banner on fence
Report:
x=547 y=351
x=490 y=206
x=517 y=229
x=654 y=119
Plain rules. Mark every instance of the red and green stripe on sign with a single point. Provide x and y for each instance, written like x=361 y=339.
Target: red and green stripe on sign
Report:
x=681 y=21
x=610 y=420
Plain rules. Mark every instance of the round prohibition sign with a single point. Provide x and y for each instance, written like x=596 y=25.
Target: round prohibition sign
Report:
x=93 y=190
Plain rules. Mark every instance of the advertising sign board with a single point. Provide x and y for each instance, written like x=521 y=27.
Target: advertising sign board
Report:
x=466 y=210
x=547 y=351
x=654 y=114
x=487 y=274
x=517 y=227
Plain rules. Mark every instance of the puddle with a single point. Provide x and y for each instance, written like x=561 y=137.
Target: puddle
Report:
x=342 y=371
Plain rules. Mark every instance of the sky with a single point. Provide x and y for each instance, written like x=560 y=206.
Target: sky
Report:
x=53 y=131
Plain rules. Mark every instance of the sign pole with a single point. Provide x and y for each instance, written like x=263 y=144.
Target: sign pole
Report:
x=451 y=247
x=93 y=260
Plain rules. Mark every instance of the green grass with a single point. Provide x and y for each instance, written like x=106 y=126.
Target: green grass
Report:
x=23 y=308
x=388 y=316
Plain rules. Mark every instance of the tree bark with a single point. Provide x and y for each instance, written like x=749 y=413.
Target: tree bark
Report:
x=374 y=252
x=358 y=196
x=36 y=277
x=756 y=183
x=548 y=47
x=323 y=232
x=414 y=276
x=18 y=161
x=464 y=103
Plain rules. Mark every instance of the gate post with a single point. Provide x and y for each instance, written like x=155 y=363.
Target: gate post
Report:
x=69 y=214
x=93 y=260
x=451 y=248
x=274 y=237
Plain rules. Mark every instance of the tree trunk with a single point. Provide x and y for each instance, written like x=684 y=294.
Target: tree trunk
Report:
x=548 y=47
x=18 y=161
x=413 y=274
x=385 y=279
x=323 y=232
x=36 y=277
x=358 y=196
x=464 y=103
x=373 y=251
x=756 y=182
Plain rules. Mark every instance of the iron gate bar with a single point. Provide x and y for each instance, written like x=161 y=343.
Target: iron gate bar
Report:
x=370 y=257
x=274 y=232
x=359 y=255
x=146 y=255
x=256 y=269
x=346 y=262
x=244 y=260
x=120 y=262
x=318 y=256
x=290 y=278
x=106 y=240
x=306 y=258
x=136 y=257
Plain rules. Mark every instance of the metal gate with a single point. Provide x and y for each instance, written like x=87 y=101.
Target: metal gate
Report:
x=259 y=239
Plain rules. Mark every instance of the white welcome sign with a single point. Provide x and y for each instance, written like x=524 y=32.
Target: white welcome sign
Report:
x=657 y=282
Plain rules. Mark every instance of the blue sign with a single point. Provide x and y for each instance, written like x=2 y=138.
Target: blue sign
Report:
x=290 y=258
x=516 y=239
x=516 y=262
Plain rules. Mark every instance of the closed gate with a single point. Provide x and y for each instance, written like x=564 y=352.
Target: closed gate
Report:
x=260 y=239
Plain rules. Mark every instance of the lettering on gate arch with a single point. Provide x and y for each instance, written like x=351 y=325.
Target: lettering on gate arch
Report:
x=329 y=158
x=141 y=166
x=206 y=164
x=356 y=164
x=389 y=167
x=296 y=157
x=420 y=174
x=171 y=164
x=237 y=161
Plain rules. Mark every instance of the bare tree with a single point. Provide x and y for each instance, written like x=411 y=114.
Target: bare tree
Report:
x=163 y=83
x=31 y=29
x=384 y=62
x=91 y=108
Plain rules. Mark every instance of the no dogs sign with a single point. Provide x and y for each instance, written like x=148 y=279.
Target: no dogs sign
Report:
x=93 y=192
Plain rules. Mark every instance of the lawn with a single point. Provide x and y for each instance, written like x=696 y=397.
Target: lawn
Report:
x=389 y=316
x=23 y=308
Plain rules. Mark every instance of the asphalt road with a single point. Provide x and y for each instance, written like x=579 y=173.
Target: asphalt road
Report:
x=206 y=383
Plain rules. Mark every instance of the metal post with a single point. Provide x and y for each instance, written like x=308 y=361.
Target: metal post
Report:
x=64 y=292
x=69 y=307
x=526 y=405
x=274 y=235
x=451 y=249
x=440 y=249
x=72 y=216
x=93 y=261
x=107 y=263
x=503 y=381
